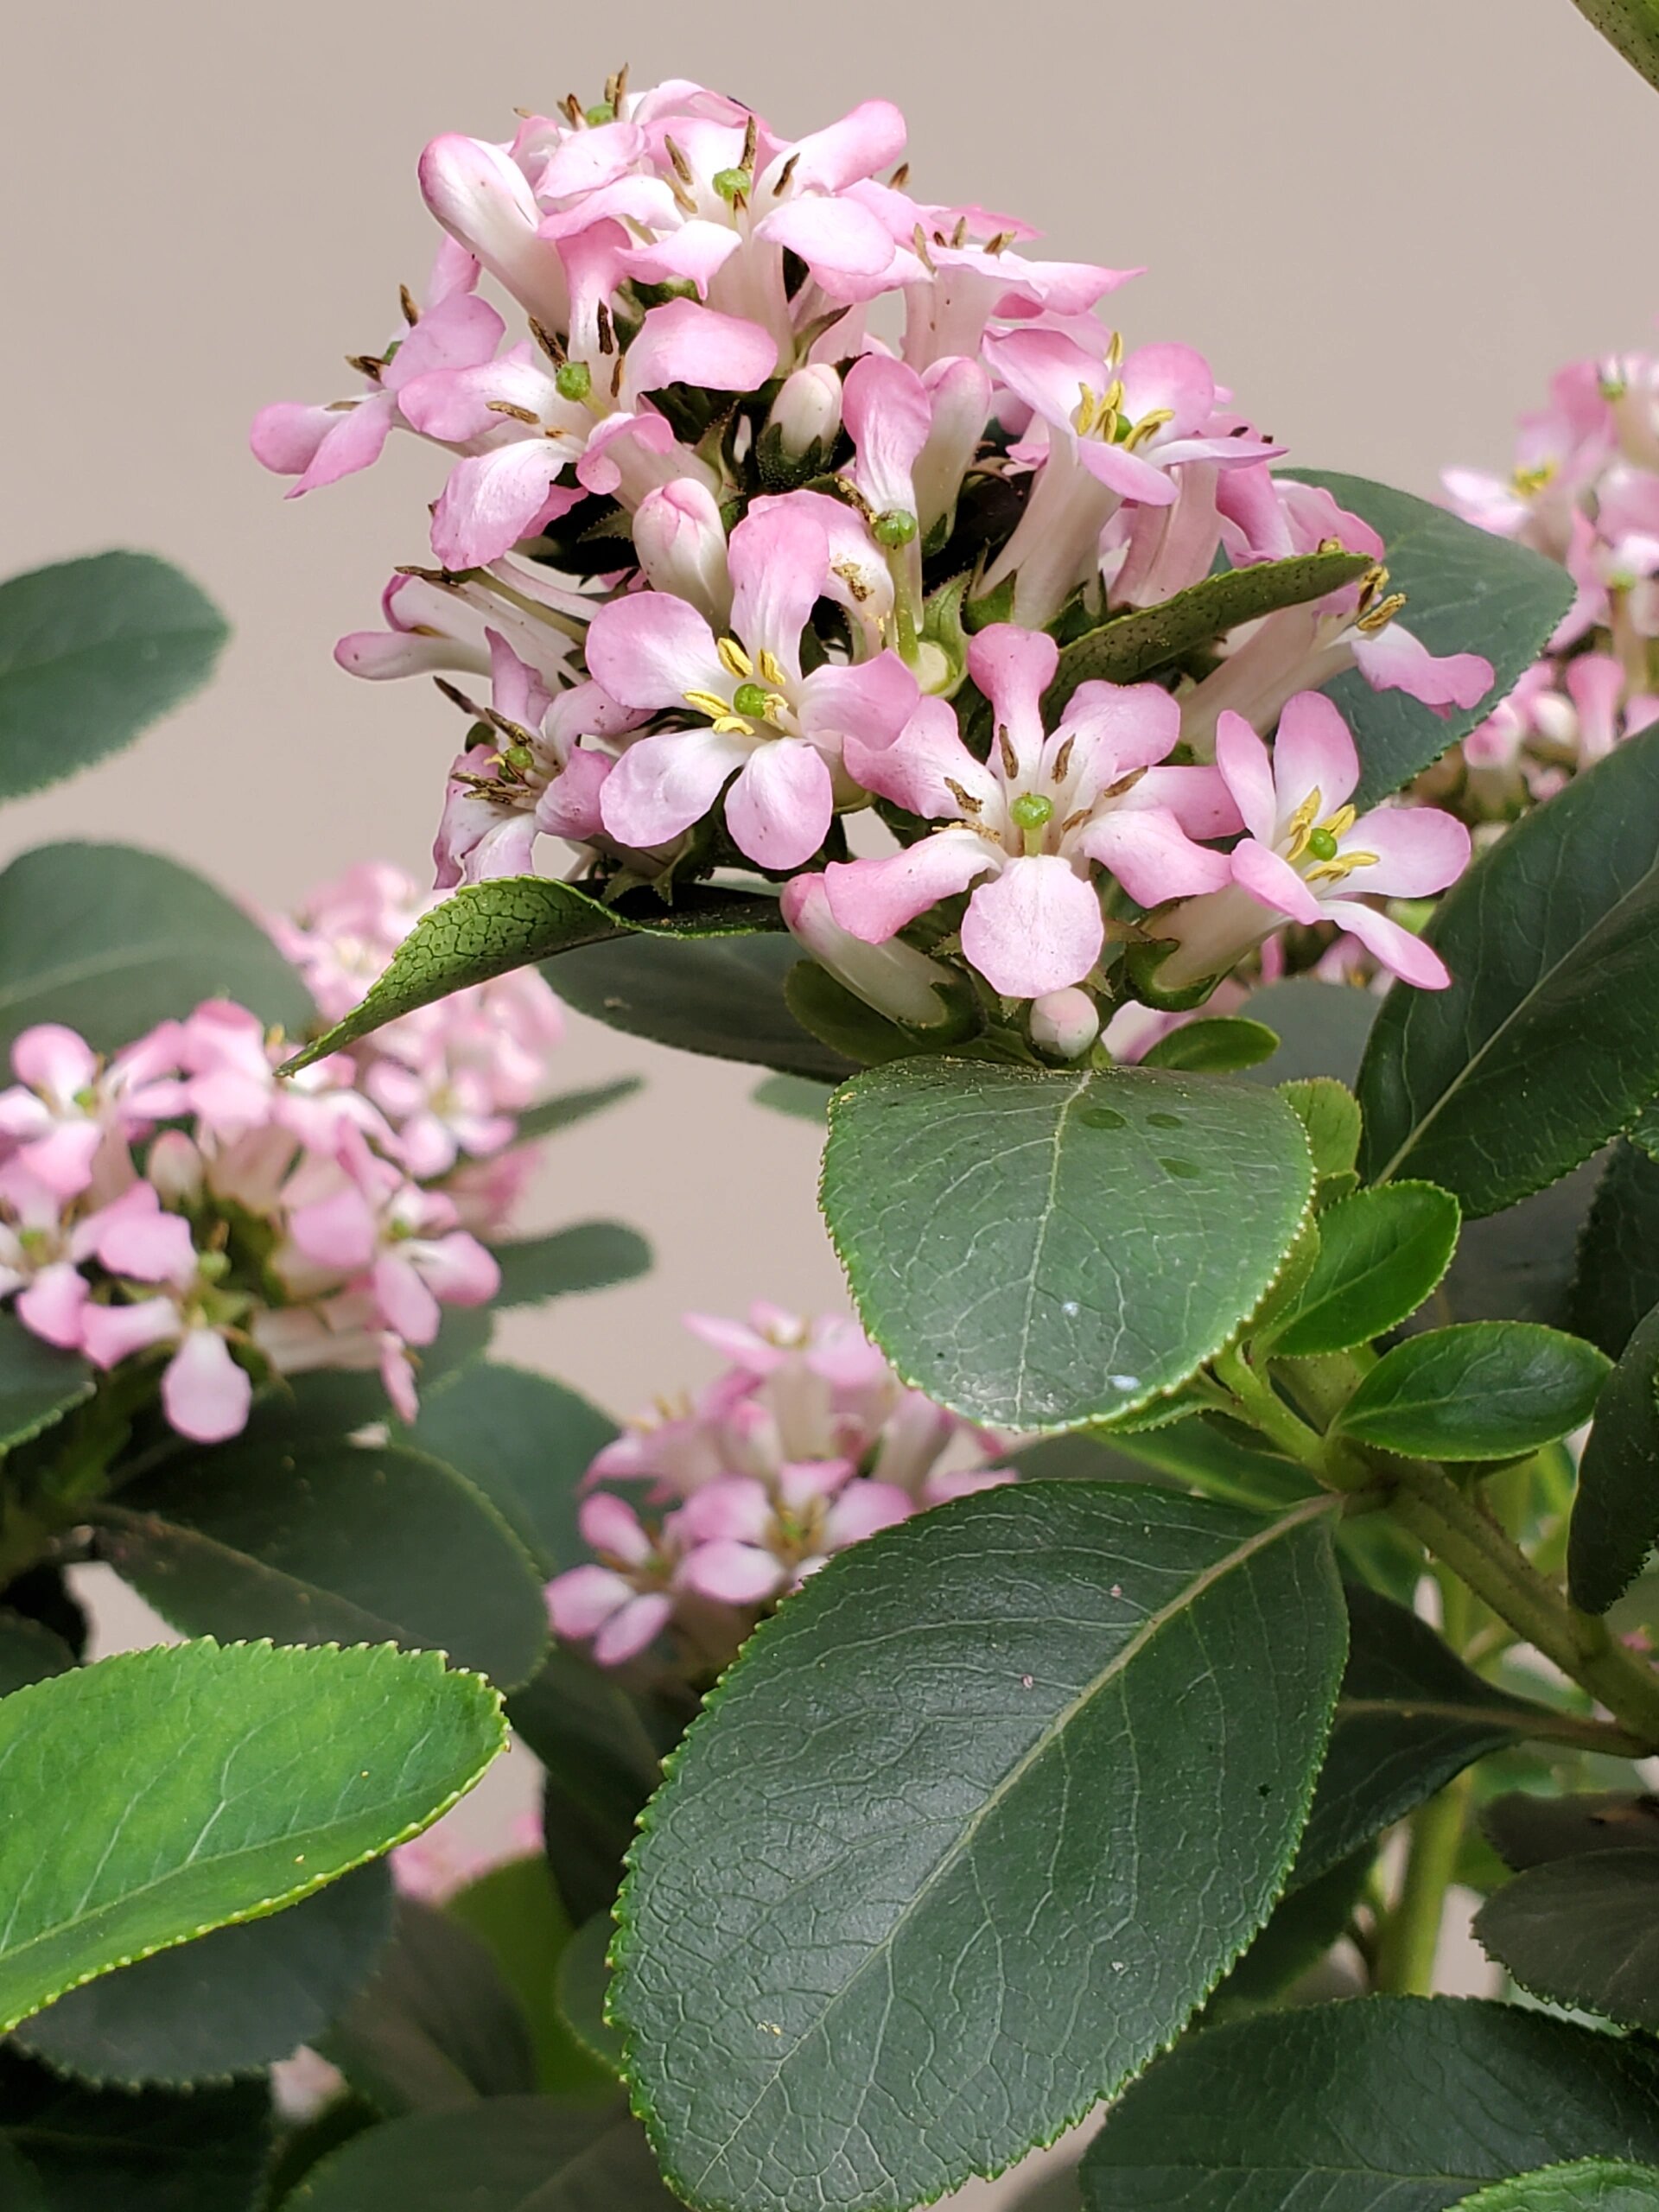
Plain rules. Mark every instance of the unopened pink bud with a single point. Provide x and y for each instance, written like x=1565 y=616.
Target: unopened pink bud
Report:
x=807 y=411
x=893 y=978
x=1064 y=1023
x=174 y=1167
x=681 y=547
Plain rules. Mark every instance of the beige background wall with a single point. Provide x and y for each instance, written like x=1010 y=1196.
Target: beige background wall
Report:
x=1384 y=224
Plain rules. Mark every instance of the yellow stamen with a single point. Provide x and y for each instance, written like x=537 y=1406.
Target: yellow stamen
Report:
x=1341 y=822
x=1379 y=616
x=732 y=726
x=1529 y=480
x=1148 y=426
x=1301 y=824
x=770 y=672
x=707 y=703
x=733 y=660
x=1343 y=865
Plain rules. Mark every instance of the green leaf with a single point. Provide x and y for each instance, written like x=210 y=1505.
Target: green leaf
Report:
x=1216 y=1045
x=67 y=2148
x=332 y=1543
x=799 y=1095
x=1306 y=1921
x=486 y=930
x=1409 y=1717
x=1132 y=645
x=554 y=1115
x=720 y=996
x=848 y=1028
x=526 y=1442
x=1618 y=1277
x=1633 y=26
x=1587 y=2185
x=28 y=1652
x=1322 y=1028
x=163 y=1793
x=807 y=1958
x=1526 y=1830
x=1192 y=1453
x=1615 y=1510
x=39 y=1384
x=1329 y=1112
x=1477 y=1390
x=588 y=1256
x=437 y=2026
x=92 y=651
x=1548 y=1041
x=1396 y=2104
x=1380 y=1254
x=1467 y=592
x=515 y=1913
x=111 y=941
x=229 y=2003
x=519 y=2154
x=1040 y=1251
x=584 y=1988
x=1583 y=1931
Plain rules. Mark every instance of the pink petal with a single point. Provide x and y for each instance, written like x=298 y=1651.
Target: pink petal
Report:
x=873 y=701
x=736 y=1509
x=110 y=1334
x=650 y=650
x=734 y=1574
x=1125 y=726
x=1314 y=750
x=1151 y=856
x=458 y=1269
x=135 y=1237
x=583 y=1601
x=356 y=442
x=869 y=137
x=916 y=768
x=205 y=1395
x=663 y=785
x=834 y=236
x=683 y=342
x=1408 y=957
x=874 y=899
x=1394 y=660
x=1013 y=668
x=1274 y=882
x=862 y=1508
x=1046 y=369
x=780 y=808
x=888 y=416
x=1169 y=376
x=1127 y=473
x=695 y=254
x=1035 y=927
x=458 y=333
x=610 y=1524
x=779 y=561
x=630 y=1628
x=285 y=437
x=339 y=1232
x=1198 y=797
x=492 y=499
x=62 y=1160
x=1418 y=850
x=51 y=1059
x=405 y=1301
x=1247 y=768
x=52 y=1306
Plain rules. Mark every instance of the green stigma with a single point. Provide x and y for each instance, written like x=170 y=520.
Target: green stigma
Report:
x=896 y=527
x=1322 y=844
x=728 y=183
x=573 y=379
x=749 y=700
x=600 y=112
x=519 y=757
x=1031 y=810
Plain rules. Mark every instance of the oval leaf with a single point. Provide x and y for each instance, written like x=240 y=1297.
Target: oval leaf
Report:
x=486 y=930
x=1548 y=1041
x=1040 y=1251
x=1477 y=1390
x=1587 y=2185
x=526 y=1442
x=337 y=1542
x=1615 y=1510
x=1400 y=2104
x=515 y=2154
x=1467 y=592
x=1380 y=1254
x=554 y=1116
x=1217 y=1045
x=1583 y=1931
x=67 y=2148
x=807 y=1958
x=584 y=1987
x=1617 y=1279
x=163 y=1793
x=111 y=941
x=588 y=1256
x=90 y=651
x=1633 y=26
x=1528 y=1830
x=39 y=1384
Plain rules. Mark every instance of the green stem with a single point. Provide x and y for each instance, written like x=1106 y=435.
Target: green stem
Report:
x=1255 y=1401
x=1410 y=1939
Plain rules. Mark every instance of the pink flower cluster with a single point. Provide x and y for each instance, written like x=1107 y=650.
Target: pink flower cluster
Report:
x=1583 y=491
x=711 y=531
x=804 y=1443
x=179 y=1200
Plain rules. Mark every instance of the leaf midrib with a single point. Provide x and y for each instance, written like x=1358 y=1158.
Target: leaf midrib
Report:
x=1314 y=1509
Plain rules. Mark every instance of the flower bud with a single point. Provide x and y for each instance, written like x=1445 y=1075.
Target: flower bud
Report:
x=1064 y=1023
x=893 y=978
x=807 y=411
x=482 y=199
x=174 y=1167
x=681 y=547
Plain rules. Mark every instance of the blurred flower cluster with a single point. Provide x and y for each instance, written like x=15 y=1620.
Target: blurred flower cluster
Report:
x=776 y=504
x=804 y=1443
x=177 y=1205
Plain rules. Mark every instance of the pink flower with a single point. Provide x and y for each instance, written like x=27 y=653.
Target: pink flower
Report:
x=66 y=1104
x=39 y=1254
x=623 y=1602
x=775 y=735
x=1306 y=857
x=1036 y=820
x=748 y=1543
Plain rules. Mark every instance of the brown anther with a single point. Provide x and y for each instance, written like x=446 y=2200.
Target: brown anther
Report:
x=918 y=239
x=548 y=342
x=572 y=108
x=1000 y=243
x=899 y=177
x=751 y=139
x=366 y=364
x=1063 y=758
x=606 y=330
x=1381 y=613
x=851 y=575
x=682 y=166
x=959 y=236
x=1124 y=784
x=616 y=377
x=457 y=697
x=615 y=86
x=406 y=302
x=965 y=800
x=519 y=414
x=1005 y=747
x=786 y=173
x=1075 y=821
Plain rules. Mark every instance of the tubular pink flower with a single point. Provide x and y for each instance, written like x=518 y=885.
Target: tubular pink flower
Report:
x=893 y=978
x=481 y=197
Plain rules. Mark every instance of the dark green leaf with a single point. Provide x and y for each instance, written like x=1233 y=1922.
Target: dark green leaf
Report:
x=1306 y=1921
x=1329 y=1112
x=1321 y=1027
x=1616 y=1511
x=721 y=996
x=570 y=1107
x=90 y=651
x=1518 y=1265
x=1467 y=592
x=112 y=941
x=1548 y=1041
x=1477 y=1390
x=1399 y=2104
x=1040 y=1251
x=1587 y=2185
x=522 y=2154
x=230 y=2003
x=1380 y=1254
x=28 y=1652
x=807 y=1958
x=1528 y=1830
x=1409 y=1717
x=486 y=930
x=67 y=2148
x=588 y=1256
x=1216 y=1045
x=1618 y=1277
x=1583 y=1931
x=515 y=1913
x=309 y=2141
x=163 y=1793
x=584 y=1987
x=1192 y=1453
x=1132 y=645
x=526 y=1442
x=1633 y=26
x=39 y=1384
x=437 y=2026
x=333 y=1543
x=845 y=1025
x=799 y=1095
